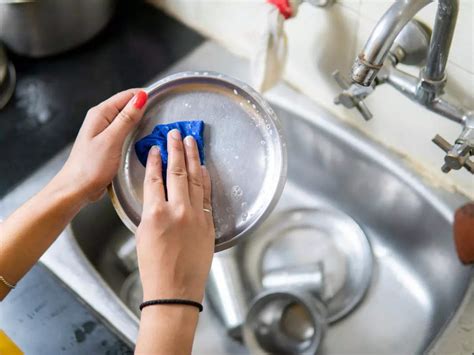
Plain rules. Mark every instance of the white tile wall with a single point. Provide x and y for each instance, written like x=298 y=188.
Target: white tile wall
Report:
x=322 y=40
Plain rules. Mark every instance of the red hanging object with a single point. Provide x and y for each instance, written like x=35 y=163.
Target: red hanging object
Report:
x=283 y=6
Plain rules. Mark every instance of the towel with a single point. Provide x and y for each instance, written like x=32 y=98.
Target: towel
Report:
x=250 y=28
x=159 y=136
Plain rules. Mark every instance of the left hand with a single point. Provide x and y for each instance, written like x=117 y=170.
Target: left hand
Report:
x=97 y=151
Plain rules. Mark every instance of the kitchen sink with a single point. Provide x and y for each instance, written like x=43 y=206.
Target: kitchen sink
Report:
x=418 y=281
x=417 y=287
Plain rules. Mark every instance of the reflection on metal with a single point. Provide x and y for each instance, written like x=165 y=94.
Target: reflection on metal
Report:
x=7 y=78
x=285 y=321
x=329 y=163
x=397 y=38
x=245 y=150
x=336 y=242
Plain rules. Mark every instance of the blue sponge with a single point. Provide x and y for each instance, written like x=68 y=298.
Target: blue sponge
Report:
x=159 y=138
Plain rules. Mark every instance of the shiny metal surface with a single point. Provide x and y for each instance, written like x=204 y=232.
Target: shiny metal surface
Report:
x=227 y=293
x=303 y=236
x=419 y=287
x=245 y=150
x=418 y=282
x=3 y=63
x=412 y=44
x=7 y=78
x=456 y=155
x=124 y=249
x=443 y=33
x=39 y=28
x=308 y=277
x=395 y=34
x=285 y=321
x=131 y=292
x=372 y=57
x=390 y=25
x=353 y=95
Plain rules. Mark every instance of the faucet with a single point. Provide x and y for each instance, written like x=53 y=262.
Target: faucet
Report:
x=398 y=38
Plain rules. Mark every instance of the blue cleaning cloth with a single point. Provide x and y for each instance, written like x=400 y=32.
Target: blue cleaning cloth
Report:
x=159 y=136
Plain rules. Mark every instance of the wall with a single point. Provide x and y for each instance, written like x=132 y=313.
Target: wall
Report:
x=323 y=40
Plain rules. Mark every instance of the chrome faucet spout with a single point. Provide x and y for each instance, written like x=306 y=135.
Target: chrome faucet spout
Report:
x=377 y=47
x=372 y=57
x=398 y=38
x=441 y=39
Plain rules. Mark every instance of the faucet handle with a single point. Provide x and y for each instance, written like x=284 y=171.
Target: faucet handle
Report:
x=457 y=155
x=353 y=95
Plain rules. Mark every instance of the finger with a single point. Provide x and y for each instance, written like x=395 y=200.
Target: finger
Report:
x=193 y=165
x=127 y=118
x=207 y=204
x=177 y=175
x=99 y=117
x=153 y=185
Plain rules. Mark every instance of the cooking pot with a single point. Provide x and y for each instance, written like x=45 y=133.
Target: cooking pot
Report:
x=39 y=28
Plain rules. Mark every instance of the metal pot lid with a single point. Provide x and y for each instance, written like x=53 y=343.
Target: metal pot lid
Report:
x=304 y=236
x=244 y=147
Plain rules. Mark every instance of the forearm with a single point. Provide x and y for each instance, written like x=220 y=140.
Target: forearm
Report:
x=30 y=230
x=167 y=329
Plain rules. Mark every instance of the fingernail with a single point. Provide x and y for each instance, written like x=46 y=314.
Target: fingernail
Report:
x=189 y=141
x=155 y=150
x=174 y=133
x=140 y=99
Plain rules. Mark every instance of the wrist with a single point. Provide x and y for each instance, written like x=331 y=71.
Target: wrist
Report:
x=172 y=313
x=68 y=189
x=156 y=293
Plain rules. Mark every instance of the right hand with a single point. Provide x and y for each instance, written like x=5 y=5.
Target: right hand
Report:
x=175 y=239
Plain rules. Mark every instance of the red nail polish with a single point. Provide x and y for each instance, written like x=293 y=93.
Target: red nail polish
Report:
x=140 y=99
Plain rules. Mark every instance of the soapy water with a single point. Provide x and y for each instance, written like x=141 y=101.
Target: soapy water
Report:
x=237 y=192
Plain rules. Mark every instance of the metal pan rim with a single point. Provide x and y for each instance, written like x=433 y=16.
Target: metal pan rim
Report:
x=276 y=190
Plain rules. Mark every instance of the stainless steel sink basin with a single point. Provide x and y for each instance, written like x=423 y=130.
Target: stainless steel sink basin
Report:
x=418 y=283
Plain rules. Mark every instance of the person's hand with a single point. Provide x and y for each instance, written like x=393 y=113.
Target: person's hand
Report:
x=97 y=151
x=175 y=239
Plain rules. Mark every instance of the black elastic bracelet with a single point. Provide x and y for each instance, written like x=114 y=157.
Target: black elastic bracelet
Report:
x=172 y=301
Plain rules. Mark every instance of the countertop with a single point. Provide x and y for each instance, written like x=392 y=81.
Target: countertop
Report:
x=51 y=99
x=41 y=316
